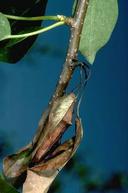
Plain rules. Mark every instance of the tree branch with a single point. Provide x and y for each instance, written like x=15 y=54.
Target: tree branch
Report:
x=69 y=66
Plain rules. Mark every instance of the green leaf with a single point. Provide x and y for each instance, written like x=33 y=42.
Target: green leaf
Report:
x=5 y=29
x=13 y=51
x=98 y=26
x=74 y=7
x=6 y=187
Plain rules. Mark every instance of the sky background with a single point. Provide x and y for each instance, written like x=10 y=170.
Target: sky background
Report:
x=26 y=87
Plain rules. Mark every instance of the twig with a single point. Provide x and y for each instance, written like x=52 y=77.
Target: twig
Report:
x=69 y=66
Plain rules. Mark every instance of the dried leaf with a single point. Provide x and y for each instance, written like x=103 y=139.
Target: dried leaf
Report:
x=40 y=177
x=60 y=108
x=79 y=134
x=58 y=160
x=41 y=125
x=36 y=183
x=15 y=165
x=41 y=174
x=62 y=147
x=60 y=118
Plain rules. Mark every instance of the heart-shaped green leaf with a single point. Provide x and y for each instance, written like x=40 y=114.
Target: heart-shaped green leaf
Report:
x=5 y=29
x=99 y=23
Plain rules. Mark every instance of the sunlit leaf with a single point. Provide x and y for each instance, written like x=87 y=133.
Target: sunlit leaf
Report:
x=98 y=26
x=5 y=29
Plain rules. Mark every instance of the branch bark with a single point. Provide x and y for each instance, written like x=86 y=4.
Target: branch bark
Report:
x=69 y=65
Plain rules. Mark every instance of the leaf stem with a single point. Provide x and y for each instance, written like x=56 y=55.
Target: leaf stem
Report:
x=37 y=18
x=35 y=32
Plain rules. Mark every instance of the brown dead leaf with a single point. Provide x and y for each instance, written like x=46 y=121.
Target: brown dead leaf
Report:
x=79 y=134
x=60 y=118
x=41 y=125
x=41 y=176
x=61 y=155
x=36 y=183
x=15 y=165
x=58 y=158
x=44 y=162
